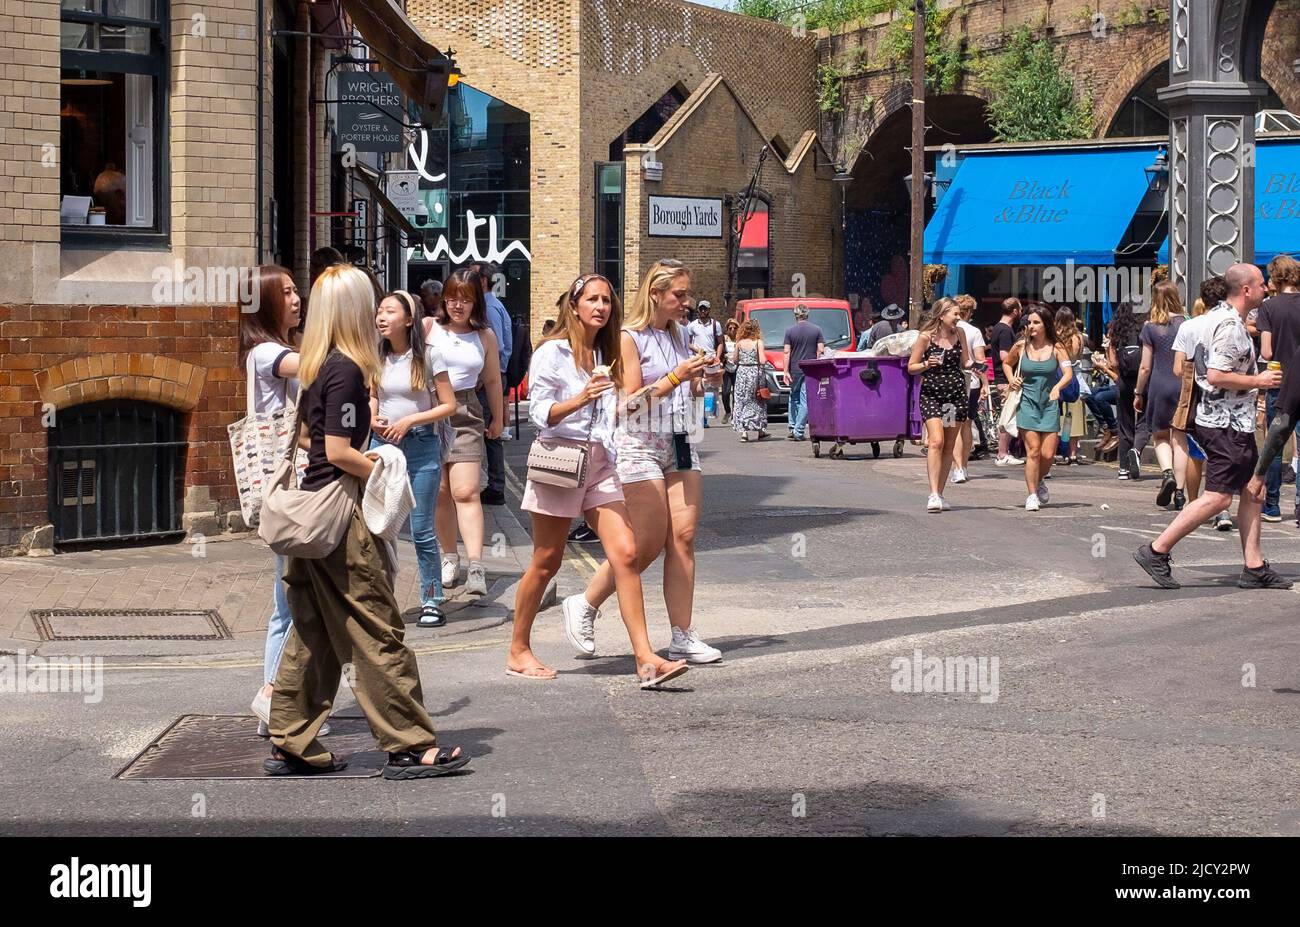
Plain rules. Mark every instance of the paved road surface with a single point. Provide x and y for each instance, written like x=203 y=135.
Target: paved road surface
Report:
x=1120 y=708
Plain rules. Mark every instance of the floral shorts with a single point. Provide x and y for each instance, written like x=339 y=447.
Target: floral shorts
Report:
x=647 y=455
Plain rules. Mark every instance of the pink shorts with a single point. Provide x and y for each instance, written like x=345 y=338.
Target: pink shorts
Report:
x=601 y=487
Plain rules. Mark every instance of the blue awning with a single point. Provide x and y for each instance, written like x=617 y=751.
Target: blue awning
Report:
x=1277 y=202
x=1028 y=207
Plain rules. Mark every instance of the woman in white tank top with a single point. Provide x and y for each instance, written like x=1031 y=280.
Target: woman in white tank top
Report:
x=460 y=332
x=413 y=395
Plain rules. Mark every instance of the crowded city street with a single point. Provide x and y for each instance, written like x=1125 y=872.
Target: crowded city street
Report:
x=1116 y=707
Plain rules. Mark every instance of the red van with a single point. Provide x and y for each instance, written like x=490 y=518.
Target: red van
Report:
x=775 y=315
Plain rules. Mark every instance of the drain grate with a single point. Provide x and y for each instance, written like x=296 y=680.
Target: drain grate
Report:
x=227 y=747
x=129 y=624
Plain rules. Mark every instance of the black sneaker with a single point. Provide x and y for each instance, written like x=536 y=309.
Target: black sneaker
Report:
x=1167 y=488
x=431 y=616
x=1157 y=566
x=1223 y=522
x=492 y=497
x=1180 y=500
x=1262 y=577
x=1288 y=475
x=583 y=535
x=1134 y=464
x=1122 y=475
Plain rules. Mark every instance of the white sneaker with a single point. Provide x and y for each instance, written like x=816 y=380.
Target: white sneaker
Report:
x=1043 y=495
x=1032 y=504
x=959 y=475
x=687 y=646
x=1008 y=461
x=580 y=624
x=475 y=579
x=943 y=505
x=935 y=503
x=450 y=569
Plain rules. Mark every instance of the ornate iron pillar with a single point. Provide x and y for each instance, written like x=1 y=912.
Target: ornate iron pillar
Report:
x=1214 y=91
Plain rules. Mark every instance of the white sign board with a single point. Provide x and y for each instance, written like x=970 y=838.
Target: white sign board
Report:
x=685 y=217
x=403 y=188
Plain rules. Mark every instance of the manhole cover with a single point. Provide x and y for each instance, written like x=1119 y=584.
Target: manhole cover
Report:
x=130 y=624
x=227 y=747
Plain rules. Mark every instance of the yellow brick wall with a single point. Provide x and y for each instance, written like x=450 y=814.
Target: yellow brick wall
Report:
x=712 y=153
x=525 y=52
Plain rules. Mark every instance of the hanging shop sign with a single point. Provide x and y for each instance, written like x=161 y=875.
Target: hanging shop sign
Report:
x=685 y=217
x=369 y=111
x=403 y=189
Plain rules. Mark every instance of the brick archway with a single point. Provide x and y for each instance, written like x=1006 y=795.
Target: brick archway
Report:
x=1151 y=56
x=147 y=377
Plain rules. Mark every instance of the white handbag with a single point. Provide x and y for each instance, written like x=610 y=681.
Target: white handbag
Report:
x=1011 y=405
x=258 y=442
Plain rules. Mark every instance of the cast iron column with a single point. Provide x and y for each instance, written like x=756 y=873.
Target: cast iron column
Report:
x=1213 y=94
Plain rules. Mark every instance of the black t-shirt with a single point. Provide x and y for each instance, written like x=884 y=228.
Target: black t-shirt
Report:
x=336 y=403
x=1004 y=340
x=1288 y=395
x=1280 y=315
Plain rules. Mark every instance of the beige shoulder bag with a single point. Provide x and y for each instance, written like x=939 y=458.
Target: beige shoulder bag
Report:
x=560 y=462
x=301 y=523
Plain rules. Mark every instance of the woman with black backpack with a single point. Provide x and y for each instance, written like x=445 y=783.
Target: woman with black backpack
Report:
x=1124 y=352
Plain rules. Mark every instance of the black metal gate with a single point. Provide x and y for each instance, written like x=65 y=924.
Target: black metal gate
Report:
x=117 y=472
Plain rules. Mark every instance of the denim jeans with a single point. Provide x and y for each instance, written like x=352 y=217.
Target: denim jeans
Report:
x=277 y=626
x=1100 y=402
x=1273 y=479
x=423 y=453
x=799 y=407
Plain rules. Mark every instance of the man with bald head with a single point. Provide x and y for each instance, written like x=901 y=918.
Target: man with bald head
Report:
x=1225 y=430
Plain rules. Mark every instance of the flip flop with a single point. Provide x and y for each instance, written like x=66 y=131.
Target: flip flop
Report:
x=660 y=680
x=535 y=677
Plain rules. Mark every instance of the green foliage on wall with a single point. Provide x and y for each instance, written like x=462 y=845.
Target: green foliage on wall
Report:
x=1032 y=96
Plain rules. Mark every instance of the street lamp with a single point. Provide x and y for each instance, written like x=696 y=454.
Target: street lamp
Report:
x=927 y=179
x=843 y=178
x=1158 y=173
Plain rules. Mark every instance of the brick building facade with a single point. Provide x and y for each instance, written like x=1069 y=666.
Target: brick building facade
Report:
x=85 y=320
x=587 y=71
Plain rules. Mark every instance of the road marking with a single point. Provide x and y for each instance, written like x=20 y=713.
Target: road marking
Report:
x=579 y=559
x=243 y=664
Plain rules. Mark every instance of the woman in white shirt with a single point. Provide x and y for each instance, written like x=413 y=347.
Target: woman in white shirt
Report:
x=412 y=396
x=657 y=462
x=571 y=389
x=462 y=335
x=268 y=340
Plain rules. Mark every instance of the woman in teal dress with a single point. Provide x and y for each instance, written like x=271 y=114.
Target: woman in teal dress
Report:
x=1032 y=366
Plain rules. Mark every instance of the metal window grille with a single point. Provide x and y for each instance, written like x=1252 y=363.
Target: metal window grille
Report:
x=117 y=472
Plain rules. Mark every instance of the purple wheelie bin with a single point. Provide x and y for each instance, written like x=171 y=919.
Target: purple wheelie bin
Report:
x=856 y=398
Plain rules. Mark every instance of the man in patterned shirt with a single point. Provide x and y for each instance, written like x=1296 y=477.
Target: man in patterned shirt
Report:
x=1225 y=430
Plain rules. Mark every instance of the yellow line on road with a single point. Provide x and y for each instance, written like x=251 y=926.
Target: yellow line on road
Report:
x=579 y=559
x=243 y=664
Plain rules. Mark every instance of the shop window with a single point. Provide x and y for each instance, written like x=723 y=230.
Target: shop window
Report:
x=609 y=223
x=475 y=192
x=111 y=115
x=752 y=265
